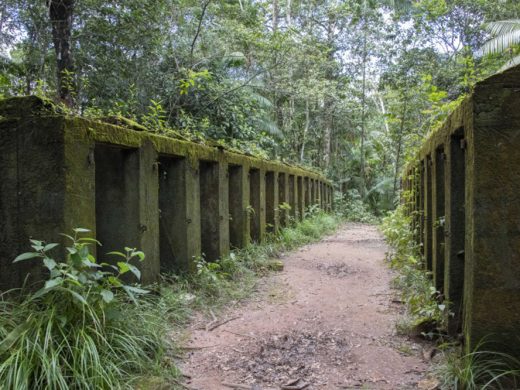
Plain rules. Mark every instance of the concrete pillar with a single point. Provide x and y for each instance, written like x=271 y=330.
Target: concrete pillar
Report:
x=326 y=197
x=271 y=202
x=320 y=198
x=149 y=213
x=427 y=232
x=293 y=197
x=179 y=202
x=418 y=209
x=47 y=188
x=438 y=218
x=127 y=207
x=301 y=198
x=283 y=198
x=214 y=209
x=314 y=192
x=239 y=226
x=422 y=216
x=307 y=194
x=492 y=271
x=455 y=226
x=257 y=202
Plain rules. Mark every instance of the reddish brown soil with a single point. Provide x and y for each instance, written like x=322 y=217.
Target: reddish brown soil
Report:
x=328 y=320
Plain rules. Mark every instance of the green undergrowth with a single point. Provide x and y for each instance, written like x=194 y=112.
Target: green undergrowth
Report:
x=454 y=369
x=424 y=312
x=480 y=369
x=353 y=209
x=87 y=329
x=233 y=277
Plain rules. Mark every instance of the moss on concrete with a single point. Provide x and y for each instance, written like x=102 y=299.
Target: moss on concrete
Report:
x=50 y=185
x=482 y=249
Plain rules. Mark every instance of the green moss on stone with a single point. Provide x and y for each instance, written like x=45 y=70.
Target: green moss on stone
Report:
x=22 y=106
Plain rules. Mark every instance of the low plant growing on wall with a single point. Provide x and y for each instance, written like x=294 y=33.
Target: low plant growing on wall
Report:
x=425 y=313
x=85 y=328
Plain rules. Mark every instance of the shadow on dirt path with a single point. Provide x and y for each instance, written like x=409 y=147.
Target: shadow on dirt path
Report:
x=327 y=320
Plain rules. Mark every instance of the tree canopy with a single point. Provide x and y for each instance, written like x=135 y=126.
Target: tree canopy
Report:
x=351 y=86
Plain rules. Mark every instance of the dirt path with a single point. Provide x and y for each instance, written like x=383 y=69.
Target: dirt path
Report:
x=328 y=320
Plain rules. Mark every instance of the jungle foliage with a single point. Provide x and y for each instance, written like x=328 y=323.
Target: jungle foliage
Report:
x=349 y=86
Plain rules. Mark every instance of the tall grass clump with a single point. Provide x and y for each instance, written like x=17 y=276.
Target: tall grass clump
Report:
x=84 y=329
x=480 y=369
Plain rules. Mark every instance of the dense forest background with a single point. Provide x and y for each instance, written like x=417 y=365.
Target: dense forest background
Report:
x=351 y=87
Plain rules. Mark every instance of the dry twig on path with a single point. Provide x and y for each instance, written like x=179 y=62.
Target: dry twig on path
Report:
x=215 y=324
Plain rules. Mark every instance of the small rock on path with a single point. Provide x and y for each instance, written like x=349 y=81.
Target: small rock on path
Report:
x=327 y=320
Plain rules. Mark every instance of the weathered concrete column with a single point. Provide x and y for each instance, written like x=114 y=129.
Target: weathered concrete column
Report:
x=149 y=213
x=293 y=197
x=418 y=204
x=127 y=209
x=454 y=246
x=307 y=183
x=438 y=218
x=271 y=202
x=47 y=186
x=118 y=207
x=326 y=199
x=314 y=192
x=179 y=202
x=214 y=217
x=283 y=198
x=257 y=202
x=239 y=226
x=422 y=216
x=301 y=198
x=492 y=262
x=427 y=232
x=320 y=198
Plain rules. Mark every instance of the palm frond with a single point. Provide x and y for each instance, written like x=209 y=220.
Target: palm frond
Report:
x=398 y=5
x=267 y=126
x=502 y=26
x=501 y=42
x=382 y=186
x=262 y=101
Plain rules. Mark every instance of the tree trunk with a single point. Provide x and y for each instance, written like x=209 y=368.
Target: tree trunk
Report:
x=276 y=12
x=305 y=130
x=328 y=102
x=288 y=14
x=363 y=111
x=399 y=146
x=61 y=14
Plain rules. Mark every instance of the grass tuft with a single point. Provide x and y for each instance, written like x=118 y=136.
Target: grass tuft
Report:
x=478 y=370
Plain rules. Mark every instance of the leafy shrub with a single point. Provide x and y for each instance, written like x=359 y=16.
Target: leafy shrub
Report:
x=418 y=292
x=84 y=329
x=352 y=207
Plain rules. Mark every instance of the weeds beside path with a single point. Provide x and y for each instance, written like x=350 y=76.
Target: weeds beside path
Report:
x=328 y=319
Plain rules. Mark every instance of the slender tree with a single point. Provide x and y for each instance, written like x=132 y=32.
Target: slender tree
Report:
x=61 y=14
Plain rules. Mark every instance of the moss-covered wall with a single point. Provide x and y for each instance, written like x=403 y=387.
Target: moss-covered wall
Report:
x=475 y=192
x=171 y=198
